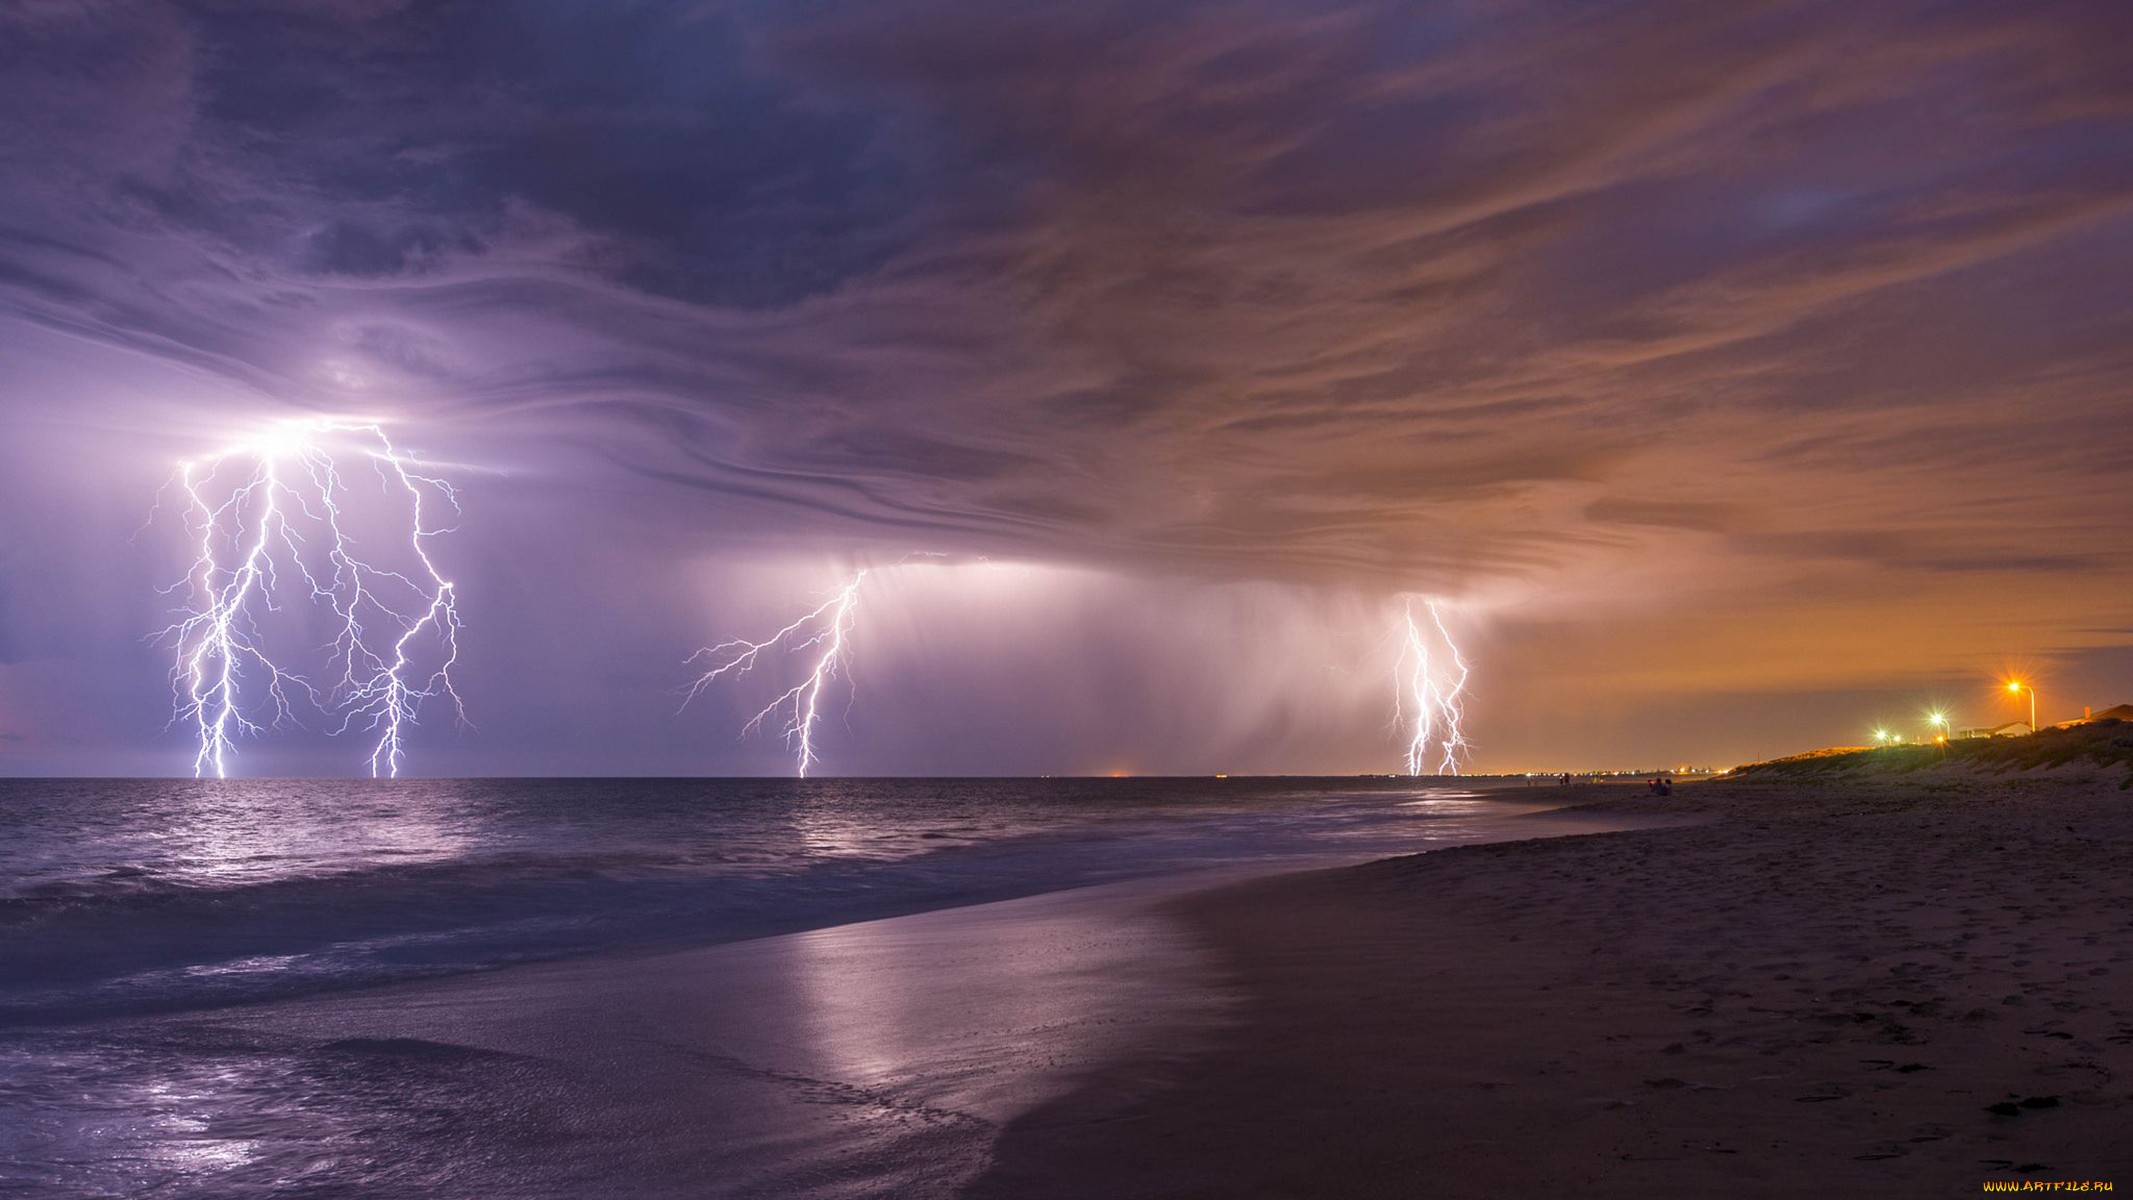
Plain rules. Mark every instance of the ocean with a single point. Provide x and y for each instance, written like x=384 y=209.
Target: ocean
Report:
x=133 y=912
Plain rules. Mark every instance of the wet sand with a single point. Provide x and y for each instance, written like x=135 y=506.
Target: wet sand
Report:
x=1893 y=989
x=1851 y=990
x=872 y=1059
x=881 y=1058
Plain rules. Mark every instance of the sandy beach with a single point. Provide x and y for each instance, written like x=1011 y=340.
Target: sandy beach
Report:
x=880 y=1057
x=1786 y=988
x=1869 y=989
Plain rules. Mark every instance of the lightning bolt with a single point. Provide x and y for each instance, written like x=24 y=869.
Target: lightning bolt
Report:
x=1429 y=695
x=217 y=642
x=283 y=514
x=826 y=629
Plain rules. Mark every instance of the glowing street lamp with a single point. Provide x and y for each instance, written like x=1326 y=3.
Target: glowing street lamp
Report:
x=1939 y=721
x=2018 y=687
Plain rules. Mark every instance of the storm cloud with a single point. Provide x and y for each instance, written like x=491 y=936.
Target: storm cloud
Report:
x=1722 y=358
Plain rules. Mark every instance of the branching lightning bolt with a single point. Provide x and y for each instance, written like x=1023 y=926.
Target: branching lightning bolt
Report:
x=217 y=642
x=387 y=622
x=1429 y=695
x=826 y=629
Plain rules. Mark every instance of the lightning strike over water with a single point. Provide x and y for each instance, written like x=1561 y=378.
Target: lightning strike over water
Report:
x=274 y=508
x=826 y=629
x=1427 y=695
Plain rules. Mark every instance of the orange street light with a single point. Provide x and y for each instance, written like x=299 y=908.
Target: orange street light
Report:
x=2018 y=687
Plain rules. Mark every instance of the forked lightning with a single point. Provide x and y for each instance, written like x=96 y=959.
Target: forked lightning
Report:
x=826 y=629
x=1427 y=695
x=395 y=627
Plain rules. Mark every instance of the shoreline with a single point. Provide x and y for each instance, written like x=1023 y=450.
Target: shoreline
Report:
x=1823 y=992
x=1772 y=988
x=878 y=1057
x=205 y=931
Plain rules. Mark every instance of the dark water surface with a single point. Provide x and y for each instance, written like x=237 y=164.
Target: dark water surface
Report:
x=124 y=896
x=126 y=905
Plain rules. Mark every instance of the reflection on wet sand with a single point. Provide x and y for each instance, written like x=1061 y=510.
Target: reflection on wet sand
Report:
x=880 y=1057
x=992 y=1009
x=870 y=1059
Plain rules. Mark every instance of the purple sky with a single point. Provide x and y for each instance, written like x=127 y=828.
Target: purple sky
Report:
x=1740 y=375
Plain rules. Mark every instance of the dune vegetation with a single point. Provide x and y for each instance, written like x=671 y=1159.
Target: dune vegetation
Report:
x=2101 y=745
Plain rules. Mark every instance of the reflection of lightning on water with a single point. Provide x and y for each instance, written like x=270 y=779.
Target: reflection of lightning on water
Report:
x=1429 y=695
x=827 y=627
x=395 y=631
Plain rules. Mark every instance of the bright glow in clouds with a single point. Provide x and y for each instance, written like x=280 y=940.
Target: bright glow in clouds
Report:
x=1427 y=693
x=827 y=627
x=274 y=510
x=957 y=630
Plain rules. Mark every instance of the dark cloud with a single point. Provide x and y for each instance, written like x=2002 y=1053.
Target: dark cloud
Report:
x=1710 y=308
x=346 y=248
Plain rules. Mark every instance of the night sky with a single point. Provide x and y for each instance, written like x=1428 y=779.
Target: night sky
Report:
x=1739 y=375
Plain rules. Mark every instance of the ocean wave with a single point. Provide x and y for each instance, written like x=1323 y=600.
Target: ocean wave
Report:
x=155 y=896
